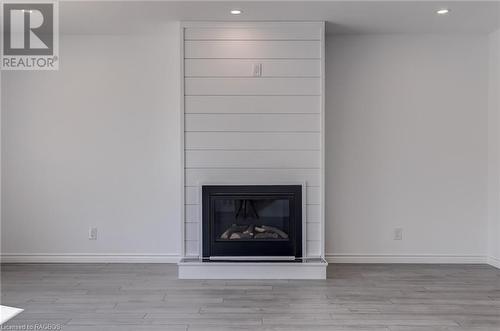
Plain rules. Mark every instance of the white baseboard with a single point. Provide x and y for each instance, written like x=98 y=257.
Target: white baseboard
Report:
x=173 y=258
x=494 y=262
x=89 y=258
x=430 y=259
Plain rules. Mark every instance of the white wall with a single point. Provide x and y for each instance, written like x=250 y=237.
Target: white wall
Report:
x=94 y=144
x=494 y=150
x=97 y=144
x=406 y=145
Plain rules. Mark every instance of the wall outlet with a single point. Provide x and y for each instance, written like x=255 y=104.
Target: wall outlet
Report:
x=398 y=234
x=92 y=233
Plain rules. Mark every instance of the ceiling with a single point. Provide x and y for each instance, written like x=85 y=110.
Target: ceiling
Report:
x=342 y=17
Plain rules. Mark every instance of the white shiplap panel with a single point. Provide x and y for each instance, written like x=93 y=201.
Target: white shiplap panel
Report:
x=253 y=159
x=253 y=140
x=313 y=195
x=192 y=195
x=313 y=248
x=303 y=32
x=260 y=143
x=313 y=231
x=192 y=248
x=252 y=86
x=313 y=213
x=192 y=213
x=193 y=231
x=253 y=104
x=244 y=68
x=238 y=49
x=253 y=122
x=196 y=177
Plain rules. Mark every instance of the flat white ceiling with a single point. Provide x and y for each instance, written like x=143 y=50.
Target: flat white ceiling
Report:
x=342 y=17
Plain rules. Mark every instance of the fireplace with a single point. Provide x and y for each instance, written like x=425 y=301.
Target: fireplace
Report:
x=252 y=222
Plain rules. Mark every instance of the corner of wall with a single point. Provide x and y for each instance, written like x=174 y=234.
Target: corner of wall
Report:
x=494 y=151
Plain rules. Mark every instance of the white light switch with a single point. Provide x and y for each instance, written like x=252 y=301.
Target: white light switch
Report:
x=257 y=69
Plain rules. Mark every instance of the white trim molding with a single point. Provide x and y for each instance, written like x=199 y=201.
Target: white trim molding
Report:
x=393 y=258
x=493 y=261
x=175 y=258
x=90 y=258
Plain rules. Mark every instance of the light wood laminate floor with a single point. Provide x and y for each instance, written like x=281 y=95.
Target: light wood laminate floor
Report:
x=355 y=297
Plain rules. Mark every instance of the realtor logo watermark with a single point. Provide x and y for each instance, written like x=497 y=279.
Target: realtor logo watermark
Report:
x=30 y=38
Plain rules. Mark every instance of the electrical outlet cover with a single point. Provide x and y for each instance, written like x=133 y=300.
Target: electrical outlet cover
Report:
x=398 y=234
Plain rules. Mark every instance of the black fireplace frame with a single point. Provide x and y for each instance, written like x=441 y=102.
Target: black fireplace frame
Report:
x=212 y=248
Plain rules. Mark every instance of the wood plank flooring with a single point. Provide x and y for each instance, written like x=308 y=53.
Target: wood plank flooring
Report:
x=145 y=297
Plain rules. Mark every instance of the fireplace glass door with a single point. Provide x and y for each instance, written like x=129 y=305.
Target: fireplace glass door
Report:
x=254 y=221
x=252 y=218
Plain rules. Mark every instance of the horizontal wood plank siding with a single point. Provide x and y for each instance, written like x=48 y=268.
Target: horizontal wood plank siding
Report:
x=313 y=231
x=252 y=159
x=313 y=195
x=195 y=177
x=244 y=49
x=253 y=122
x=253 y=140
x=252 y=104
x=192 y=231
x=244 y=68
x=192 y=248
x=251 y=86
x=192 y=195
x=313 y=247
x=310 y=32
x=242 y=128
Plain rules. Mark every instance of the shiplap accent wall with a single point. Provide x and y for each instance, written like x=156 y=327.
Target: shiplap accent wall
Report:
x=242 y=129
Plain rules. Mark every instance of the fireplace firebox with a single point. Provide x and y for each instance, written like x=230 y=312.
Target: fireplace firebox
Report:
x=252 y=222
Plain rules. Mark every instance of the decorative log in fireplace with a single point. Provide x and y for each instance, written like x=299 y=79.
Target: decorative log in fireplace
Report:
x=252 y=221
x=252 y=231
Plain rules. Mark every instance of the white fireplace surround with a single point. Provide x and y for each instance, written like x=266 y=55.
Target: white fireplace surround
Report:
x=243 y=126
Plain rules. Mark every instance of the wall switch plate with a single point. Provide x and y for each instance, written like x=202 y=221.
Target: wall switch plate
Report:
x=398 y=234
x=92 y=233
x=257 y=70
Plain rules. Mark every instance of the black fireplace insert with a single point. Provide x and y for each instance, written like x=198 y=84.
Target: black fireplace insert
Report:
x=252 y=221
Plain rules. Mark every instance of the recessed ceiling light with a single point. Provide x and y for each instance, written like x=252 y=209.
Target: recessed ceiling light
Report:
x=236 y=12
x=443 y=11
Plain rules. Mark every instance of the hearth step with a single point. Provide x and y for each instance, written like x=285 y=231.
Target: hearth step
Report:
x=305 y=268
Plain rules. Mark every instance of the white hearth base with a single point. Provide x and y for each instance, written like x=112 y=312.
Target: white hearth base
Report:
x=198 y=269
